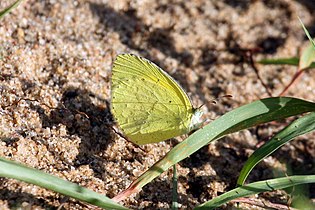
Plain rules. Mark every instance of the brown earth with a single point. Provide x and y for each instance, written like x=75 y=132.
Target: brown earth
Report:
x=59 y=53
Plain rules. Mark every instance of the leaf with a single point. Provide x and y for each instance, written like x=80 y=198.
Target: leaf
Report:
x=174 y=191
x=9 y=8
x=298 y=127
x=281 y=61
x=307 y=34
x=11 y=169
x=284 y=61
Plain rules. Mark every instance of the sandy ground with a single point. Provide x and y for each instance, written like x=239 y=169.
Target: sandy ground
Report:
x=59 y=53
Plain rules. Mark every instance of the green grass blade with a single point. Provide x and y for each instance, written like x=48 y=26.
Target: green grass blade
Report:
x=9 y=8
x=287 y=61
x=298 y=127
x=246 y=116
x=280 y=61
x=307 y=34
x=257 y=187
x=11 y=169
x=174 y=191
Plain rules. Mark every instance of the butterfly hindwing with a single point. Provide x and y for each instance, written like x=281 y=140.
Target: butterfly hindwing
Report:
x=147 y=103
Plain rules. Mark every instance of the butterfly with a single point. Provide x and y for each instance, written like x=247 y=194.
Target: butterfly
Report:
x=148 y=104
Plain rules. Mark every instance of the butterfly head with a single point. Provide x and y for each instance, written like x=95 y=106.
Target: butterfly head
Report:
x=196 y=120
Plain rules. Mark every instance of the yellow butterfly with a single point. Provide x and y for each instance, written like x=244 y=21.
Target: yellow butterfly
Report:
x=148 y=104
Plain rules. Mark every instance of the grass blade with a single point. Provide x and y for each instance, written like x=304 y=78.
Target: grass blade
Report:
x=9 y=8
x=307 y=34
x=280 y=61
x=257 y=187
x=174 y=191
x=246 y=116
x=11 y=169
x=298 y=127
x=284 y=61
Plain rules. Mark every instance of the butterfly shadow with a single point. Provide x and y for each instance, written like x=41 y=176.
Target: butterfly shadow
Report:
x=83 y=119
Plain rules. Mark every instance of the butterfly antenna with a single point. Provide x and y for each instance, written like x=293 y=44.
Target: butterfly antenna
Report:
x=214 y=101
x=200 y=106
